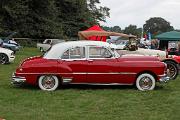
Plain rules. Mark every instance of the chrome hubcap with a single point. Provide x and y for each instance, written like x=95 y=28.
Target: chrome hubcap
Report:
x=171 y=70
x=145 y=83
x=48 y=82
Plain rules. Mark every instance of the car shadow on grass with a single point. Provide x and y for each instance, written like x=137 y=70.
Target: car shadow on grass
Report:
x=25 y=87
x=96 y=87
x=88 y=87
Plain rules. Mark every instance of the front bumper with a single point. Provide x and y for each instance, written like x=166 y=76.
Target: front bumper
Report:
x=164 y=78
x=17 y=80
x=11 y=58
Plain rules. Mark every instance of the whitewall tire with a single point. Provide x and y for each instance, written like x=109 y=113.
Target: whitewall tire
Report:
x=145 y=82
x=48 y=82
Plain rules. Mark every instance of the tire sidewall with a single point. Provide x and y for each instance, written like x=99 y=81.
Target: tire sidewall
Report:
x=7 y=59
x=175 y=66
x=52 y=89
x=145 y=75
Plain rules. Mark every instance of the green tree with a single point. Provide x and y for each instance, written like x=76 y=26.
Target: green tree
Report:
x=112 y=29
x=157 y=25
x=49 y=18
x=96 y=14
x=43 y=19
x=132 y=29
x=116 y=29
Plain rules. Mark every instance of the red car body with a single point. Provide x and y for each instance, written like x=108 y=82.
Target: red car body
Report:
x=122 y=70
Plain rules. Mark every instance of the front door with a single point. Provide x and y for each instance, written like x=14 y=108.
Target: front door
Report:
x=102 y=66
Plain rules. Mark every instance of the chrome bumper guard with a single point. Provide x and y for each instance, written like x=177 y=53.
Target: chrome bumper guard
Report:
x=17 y=80
x=164 y=78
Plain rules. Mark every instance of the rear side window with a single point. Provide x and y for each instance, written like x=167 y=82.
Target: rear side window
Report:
x=74 y=53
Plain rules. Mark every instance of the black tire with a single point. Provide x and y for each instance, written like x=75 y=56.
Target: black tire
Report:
x=172 y=69
x=3 y=58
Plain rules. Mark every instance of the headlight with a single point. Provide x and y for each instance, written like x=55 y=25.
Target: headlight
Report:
x=12 y=54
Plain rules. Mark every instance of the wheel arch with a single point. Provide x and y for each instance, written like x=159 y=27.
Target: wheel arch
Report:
x=170 y=60
x=6 y=56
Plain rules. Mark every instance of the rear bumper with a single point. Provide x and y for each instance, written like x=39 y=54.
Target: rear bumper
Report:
x=164 y=78
x=17 y=80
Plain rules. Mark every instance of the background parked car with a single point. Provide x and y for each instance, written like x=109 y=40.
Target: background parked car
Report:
x=6 y=56
x=48 y=43
x=9 y=43
x=171 y=61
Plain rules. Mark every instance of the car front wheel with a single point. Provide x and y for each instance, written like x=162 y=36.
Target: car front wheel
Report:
x=48 y=82
x=145 y=82
x=172 y=69
x=3 y=58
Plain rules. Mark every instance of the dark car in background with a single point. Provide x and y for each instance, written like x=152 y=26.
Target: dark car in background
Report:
x=10 y=43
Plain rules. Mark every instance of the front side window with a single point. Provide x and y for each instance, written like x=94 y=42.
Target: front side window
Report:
x=99 y=52
x=74 y=53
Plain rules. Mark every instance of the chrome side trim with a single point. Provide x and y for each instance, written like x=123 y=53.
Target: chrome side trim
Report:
x=81 y=73
x=124 y=73
x=100 y=84
x=37 y=73
x=67 y=80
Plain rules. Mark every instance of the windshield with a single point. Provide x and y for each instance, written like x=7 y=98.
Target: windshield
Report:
x=115 y=52
x=45 y=53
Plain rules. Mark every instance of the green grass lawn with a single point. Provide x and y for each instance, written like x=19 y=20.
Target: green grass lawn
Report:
x=85 y=102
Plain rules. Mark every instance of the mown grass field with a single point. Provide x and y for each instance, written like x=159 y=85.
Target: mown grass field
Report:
x=85 y=102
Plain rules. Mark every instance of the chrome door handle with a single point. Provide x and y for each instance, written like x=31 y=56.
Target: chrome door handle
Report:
x=90 y=60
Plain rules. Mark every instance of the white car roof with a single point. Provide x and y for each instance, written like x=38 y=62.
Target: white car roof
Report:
x=57 y=50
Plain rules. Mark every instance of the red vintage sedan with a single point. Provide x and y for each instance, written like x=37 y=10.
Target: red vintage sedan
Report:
x=89 y=62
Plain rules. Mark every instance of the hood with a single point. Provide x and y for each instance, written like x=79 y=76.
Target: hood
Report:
x=139 y=58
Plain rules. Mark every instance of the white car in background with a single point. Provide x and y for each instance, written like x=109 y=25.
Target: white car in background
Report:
x=6 y=56
x=48 y=43
x=121 y=45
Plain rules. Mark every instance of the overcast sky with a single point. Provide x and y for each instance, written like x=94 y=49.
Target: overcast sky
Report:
x=136 y=12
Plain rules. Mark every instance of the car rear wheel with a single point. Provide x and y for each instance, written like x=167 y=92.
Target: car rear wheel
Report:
x=145 y=82
x=3 y=58
x=48 y=82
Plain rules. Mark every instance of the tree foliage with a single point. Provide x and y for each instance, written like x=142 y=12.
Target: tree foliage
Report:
x=113 y=29
x=132 y=29
x=157 y=25
x=49 y=18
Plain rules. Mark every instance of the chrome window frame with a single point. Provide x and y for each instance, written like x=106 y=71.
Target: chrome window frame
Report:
x=74 y=59
x=110 y=51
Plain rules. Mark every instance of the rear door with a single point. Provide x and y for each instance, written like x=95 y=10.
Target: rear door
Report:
x=73 y=66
